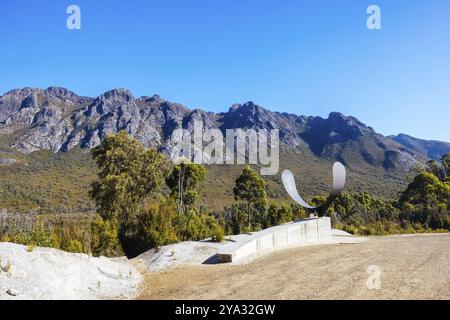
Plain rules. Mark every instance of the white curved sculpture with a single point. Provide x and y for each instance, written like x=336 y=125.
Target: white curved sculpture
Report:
x=339 y=176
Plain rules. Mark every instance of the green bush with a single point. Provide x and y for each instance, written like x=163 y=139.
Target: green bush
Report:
x=74 y=246
x=197 y=226
x=159 y=225
x=86 y=234
x=153 y=227
x=219 y=234
x=105 y=238
x=40 y=237
x=277 y=214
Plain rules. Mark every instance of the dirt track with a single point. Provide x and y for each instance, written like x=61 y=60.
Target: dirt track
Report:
x=412 y=267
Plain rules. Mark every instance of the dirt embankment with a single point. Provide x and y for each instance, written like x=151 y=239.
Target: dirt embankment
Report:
x=411 y=267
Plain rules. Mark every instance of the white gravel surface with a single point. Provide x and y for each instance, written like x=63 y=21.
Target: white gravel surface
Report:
x=46 y=273
x=188 y=253
x=203 y=252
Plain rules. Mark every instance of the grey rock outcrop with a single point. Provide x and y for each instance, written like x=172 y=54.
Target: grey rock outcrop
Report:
x=433 y=149
x=57 y=119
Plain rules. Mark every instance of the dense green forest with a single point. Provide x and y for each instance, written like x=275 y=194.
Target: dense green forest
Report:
x=138 y=200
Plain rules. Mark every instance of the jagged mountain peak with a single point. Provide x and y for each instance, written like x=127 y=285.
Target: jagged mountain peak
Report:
x=339 y=119
x=431 y=148
x=22 y=91
x=248 y=107
x=57 y=119
x=155 y=99
x=50 y=91
x=59 y=91
x=337 y=128
x=251 y=115
x=116 y=94
x=234 y=107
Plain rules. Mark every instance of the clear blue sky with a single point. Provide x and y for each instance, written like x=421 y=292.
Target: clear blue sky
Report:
x=305 y=57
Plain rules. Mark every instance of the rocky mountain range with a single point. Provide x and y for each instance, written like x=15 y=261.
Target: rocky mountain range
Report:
x=57 y=119
x=431 y=148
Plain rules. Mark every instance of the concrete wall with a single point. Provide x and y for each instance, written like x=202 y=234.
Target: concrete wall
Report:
x=302 y=231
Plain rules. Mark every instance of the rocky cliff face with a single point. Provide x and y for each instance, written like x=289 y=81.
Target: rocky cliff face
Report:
x=432 y=149
x=57 y=119
x=41 y=119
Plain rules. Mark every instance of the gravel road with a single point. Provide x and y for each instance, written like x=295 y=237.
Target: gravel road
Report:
x=411 y=267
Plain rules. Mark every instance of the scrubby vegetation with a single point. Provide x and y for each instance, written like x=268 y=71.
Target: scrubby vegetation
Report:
x=139 y=201
x=44 y=182
x=423 y=207
x=130 y=183
x=73 y=233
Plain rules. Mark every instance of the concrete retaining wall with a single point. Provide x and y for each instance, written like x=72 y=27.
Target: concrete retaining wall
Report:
x=302 y=231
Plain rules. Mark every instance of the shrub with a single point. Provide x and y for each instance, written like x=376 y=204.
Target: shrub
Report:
x=277 y=215
x=105 y=238
x=219 y=234
x=153 y=227
x=39 y=236
x=197 y=226
x=234 y=218
x=74 y=246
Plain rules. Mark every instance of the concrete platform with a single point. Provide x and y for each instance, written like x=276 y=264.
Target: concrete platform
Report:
x=298 y=232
